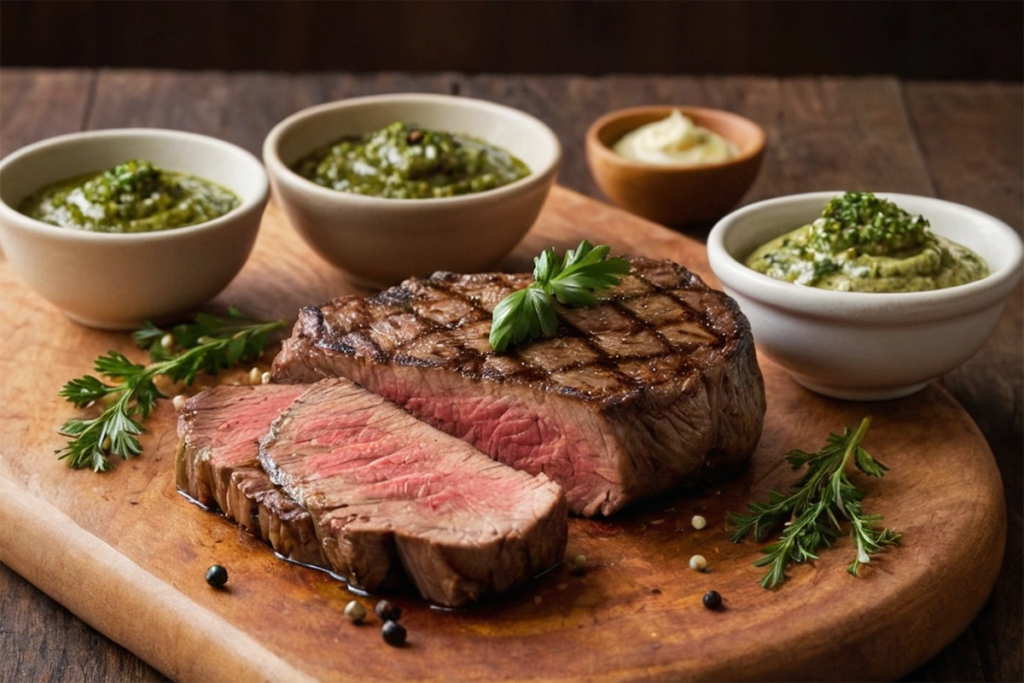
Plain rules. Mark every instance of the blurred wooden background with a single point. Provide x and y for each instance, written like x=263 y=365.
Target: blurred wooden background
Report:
x=969 y=40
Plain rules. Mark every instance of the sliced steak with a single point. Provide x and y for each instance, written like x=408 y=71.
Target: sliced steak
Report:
x=391 y=495
x=654 y=388
x=219 y=431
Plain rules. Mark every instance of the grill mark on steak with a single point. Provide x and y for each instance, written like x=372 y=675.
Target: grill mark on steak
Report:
x=391 y=496
x=216 y=465
x=654 y=388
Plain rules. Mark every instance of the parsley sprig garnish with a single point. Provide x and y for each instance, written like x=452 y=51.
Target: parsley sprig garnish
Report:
x=530 y=313
x=209 y=344
x=814 y=507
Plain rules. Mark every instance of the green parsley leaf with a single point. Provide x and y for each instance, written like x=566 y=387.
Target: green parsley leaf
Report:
x=571 y=280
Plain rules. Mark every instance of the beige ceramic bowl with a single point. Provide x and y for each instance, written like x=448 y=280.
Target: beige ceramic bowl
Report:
x=676 y=194
x=859 y=345
x=378 y=242
x=117 y=281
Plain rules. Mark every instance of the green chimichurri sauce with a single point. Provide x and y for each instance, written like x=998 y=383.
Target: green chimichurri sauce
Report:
x=132 y=197
x=863 y=243
x=404 y=161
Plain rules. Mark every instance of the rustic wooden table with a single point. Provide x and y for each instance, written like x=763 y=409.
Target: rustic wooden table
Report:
x=958 y=141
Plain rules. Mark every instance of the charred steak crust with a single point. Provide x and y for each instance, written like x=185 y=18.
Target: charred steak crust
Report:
x=654 y=388
x=217 y=466
x=393 y=497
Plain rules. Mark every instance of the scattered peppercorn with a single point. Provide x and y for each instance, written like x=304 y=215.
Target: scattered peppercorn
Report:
x=217 y=576
x=579 y=565
x=712 y=600
x=179 y=401
x=698 y=563
x=698 y=522
x=393 y=633
x=388 y=612
x=355 y=611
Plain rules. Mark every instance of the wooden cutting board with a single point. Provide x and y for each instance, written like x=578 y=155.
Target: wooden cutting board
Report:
x=128 y=554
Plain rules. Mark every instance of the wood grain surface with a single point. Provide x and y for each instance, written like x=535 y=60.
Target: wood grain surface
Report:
x=124 y=550
x=957 y=141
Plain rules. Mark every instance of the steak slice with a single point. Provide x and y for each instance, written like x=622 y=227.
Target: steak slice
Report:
x=654 y=388
x=219 y=431
x=387 y=491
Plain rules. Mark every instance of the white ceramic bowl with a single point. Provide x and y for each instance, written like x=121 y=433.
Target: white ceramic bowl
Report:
x=378 y=241
x=117 y=281
x=865 y=346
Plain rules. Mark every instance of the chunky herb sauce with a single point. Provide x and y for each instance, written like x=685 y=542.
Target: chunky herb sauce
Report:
x=404 y=161
x=863 y=243
x=132 y=197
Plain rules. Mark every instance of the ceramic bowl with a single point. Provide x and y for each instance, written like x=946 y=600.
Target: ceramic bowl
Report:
x=866 y=346
x=674 y=194
x=117 y=281
x=379 y=241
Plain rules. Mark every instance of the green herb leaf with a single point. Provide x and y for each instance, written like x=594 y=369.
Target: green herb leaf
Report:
x=572 y=280
x=209 y=344
x=815 y=508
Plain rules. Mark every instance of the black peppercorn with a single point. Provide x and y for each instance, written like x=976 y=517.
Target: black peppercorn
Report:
x=388 y=612
x=712 y=600
x=217 y=576
x=393 y=633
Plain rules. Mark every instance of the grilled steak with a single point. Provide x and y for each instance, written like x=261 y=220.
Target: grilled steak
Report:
x=654 y=388
x=387 y=491
x=219 y=431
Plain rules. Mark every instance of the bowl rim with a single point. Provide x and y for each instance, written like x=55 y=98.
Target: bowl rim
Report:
x=10 y=215
x=276 y=166
x=595 y=145
x=938 y=303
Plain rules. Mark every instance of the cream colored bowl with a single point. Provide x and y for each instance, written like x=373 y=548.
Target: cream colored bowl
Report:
x=866 y=346
x=379 y=242
x=117 y=281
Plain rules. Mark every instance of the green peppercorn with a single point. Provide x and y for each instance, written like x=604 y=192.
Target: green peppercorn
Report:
x=217 y=576
x=393 y=633
x=712 y=600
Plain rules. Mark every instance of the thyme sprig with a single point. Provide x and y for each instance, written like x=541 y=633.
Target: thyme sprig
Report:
x=573 y=280
x=209 y=344
x=817 y=503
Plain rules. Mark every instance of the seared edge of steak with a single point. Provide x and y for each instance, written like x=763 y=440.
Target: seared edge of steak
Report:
x=216 y=465
x=654 y=388
x=392 y=496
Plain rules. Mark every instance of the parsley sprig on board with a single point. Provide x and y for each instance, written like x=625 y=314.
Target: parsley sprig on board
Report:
x=814 y=507
x=209 y=344
x=530 y=313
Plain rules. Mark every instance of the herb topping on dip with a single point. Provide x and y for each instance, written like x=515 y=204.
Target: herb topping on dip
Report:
x=863 y=243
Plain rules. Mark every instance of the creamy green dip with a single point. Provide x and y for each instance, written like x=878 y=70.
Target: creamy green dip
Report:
x=863 y=243
x=404 y=161
x=132 y=197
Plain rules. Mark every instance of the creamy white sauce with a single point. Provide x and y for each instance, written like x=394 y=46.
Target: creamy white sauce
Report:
x=675 y=140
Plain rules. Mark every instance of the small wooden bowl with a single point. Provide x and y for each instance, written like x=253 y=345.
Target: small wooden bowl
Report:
x=676 y=194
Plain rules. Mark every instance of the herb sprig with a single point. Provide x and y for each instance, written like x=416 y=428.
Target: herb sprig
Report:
x=209 y=344
x=573 y=280
x=814 y=507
